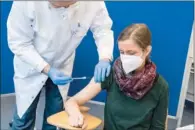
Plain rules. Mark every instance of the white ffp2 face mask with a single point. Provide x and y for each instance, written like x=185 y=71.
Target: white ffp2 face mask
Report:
x=130 y=62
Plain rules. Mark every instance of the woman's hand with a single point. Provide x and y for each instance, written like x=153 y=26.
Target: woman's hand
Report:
x=77 y=120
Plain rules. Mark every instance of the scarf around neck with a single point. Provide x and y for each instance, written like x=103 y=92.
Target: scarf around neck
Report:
x=135 y=85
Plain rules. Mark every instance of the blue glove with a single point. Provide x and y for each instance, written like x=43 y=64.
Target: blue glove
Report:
x=58 y=77
x=102 y=70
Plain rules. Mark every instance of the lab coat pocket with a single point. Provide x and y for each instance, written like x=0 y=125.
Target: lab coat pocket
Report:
x=22 y=69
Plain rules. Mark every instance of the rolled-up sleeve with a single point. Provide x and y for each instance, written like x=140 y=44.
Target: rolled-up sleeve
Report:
x=106 y=84
x=102 y=33
x=20 y=36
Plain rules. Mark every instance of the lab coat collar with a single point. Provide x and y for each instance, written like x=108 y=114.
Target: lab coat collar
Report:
x=75 y=5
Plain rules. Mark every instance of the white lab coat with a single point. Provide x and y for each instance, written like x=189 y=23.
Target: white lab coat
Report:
x=39 y=34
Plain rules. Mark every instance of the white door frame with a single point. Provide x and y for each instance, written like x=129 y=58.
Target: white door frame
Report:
x=186 y=76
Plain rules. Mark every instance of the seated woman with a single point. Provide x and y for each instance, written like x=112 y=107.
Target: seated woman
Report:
x=137 y=96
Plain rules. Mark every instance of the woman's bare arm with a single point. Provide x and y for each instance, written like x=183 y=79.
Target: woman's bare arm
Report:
x=86 y=94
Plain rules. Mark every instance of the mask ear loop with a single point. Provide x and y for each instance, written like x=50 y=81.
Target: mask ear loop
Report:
x=142 y=53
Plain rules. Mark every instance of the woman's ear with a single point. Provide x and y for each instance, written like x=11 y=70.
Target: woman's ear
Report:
x=148 y=50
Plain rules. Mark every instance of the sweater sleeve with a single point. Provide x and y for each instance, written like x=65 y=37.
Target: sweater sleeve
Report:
x=107 y=82
x=160 y=112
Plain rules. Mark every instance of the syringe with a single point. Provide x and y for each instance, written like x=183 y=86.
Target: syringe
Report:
x=80 y=78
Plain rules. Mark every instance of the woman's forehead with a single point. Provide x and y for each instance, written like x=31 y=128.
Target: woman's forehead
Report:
x=128 y=45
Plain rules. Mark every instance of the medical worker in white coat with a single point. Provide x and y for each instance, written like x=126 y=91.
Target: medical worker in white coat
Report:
x=43 y=37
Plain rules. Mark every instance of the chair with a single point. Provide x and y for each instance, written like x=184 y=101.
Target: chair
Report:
x=60 y=120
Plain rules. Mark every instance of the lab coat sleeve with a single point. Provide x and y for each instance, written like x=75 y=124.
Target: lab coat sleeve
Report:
x=20 y=36
x=160 y=112
x=102 y=33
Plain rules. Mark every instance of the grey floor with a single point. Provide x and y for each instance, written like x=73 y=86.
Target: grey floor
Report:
x=8 y=103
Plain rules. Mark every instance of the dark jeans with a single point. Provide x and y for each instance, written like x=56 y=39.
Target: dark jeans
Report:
x=53 y=104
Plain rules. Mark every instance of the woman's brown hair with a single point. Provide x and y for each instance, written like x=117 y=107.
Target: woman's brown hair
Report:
x=139 y=33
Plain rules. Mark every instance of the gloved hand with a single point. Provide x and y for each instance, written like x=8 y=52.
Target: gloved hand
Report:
x=58 y=77
x=102 y=70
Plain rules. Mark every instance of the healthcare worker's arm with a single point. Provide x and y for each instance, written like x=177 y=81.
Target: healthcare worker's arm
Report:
x=20 y=35
x=104 y=39
x=160 y=112
x=72 y=105
x=20 y=40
